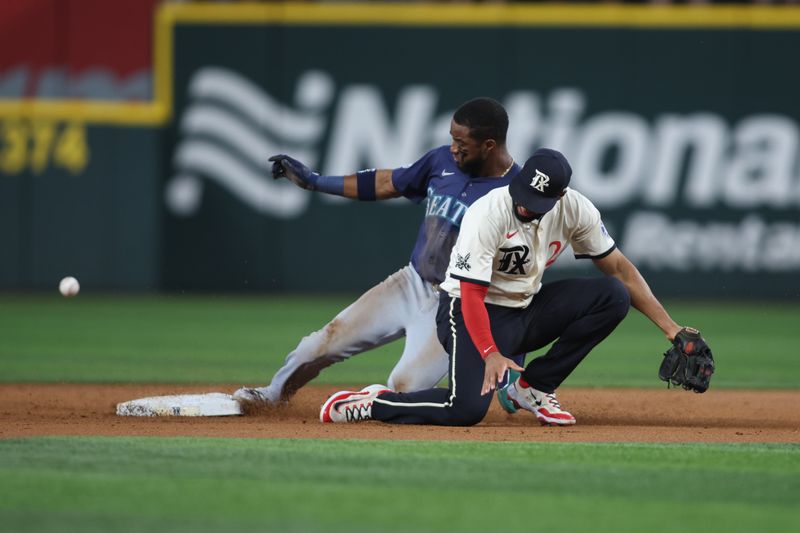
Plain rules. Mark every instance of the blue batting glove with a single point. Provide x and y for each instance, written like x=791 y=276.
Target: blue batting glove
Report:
x=284 y=166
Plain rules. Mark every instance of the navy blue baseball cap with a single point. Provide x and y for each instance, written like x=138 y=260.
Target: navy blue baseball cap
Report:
x=538 y=186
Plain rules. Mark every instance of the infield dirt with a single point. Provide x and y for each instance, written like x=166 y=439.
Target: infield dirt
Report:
x=604 y=415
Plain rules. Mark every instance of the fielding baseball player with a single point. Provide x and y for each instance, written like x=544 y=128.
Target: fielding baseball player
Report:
x=493 y=303
x=451 y=178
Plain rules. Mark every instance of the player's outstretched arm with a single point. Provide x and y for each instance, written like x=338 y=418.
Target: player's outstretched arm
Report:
x=358 y=186
x=688 y=362
x=371 y=184
x=642 y=298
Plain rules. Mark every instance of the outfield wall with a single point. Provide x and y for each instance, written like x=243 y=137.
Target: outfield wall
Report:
x=682 y=125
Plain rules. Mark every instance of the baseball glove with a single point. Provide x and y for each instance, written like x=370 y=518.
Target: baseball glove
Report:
x=688 y=362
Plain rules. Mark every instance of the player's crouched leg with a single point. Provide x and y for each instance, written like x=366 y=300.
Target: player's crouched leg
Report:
x=469 y=410
x=614 y=298
x=608 y=304
x=434 y=406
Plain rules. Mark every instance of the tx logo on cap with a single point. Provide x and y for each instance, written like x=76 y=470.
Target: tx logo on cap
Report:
x=540 y=180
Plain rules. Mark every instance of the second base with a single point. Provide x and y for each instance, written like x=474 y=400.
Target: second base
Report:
x=210 y=404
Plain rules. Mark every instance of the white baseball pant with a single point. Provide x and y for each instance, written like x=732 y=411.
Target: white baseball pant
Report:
x=401 y=305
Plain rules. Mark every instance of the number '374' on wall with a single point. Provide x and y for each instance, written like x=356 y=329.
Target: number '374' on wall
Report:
x=36 y=146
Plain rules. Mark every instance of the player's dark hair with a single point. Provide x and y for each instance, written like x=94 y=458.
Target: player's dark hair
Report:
x=486 y=118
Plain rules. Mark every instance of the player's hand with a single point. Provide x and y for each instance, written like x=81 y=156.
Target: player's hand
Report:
x=284 y=166
x=496 y=367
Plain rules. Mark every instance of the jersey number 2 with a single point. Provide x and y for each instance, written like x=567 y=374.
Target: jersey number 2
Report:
x=556 y=247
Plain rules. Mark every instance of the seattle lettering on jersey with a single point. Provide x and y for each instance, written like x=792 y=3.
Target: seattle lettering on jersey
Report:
x=445 y=206
x=436 y=179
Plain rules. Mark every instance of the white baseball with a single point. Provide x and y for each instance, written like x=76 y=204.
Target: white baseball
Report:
x=69 y=286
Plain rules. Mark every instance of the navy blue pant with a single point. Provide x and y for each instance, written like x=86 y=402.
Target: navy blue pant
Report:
x=576 y=313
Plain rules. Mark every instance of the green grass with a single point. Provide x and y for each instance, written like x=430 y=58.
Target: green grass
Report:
x=226 y=339
x=140 y=484
x=196 y=485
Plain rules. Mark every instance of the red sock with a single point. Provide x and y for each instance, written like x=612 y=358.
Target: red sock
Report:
x=524 y=383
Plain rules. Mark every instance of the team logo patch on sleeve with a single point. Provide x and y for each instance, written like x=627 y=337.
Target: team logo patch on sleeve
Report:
x=462 y=262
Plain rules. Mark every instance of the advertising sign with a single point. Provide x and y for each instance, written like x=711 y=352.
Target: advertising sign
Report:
x=685 y=137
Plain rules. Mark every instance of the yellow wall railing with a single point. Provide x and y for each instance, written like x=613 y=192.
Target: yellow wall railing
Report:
x=158 y=111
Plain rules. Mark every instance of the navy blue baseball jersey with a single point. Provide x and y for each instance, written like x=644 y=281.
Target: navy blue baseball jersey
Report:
x=449 y=192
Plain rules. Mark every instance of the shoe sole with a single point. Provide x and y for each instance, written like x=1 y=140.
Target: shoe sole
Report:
x=502 y=393
x=505 y=402
x=552 y=422
x=544 y=420
x=324 y=412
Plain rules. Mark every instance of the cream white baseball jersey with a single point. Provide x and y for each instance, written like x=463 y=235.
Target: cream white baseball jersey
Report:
x=497 y=250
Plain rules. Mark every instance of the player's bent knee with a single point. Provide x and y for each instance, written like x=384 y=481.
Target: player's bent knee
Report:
x=618 y=297
x=468 y=418
x=412 y=383
x=470 y=421
x=403 y=384
x=402 y=381
x=469 y=414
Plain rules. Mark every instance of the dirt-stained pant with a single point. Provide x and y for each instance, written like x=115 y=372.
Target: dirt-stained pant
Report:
x=401 y=305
